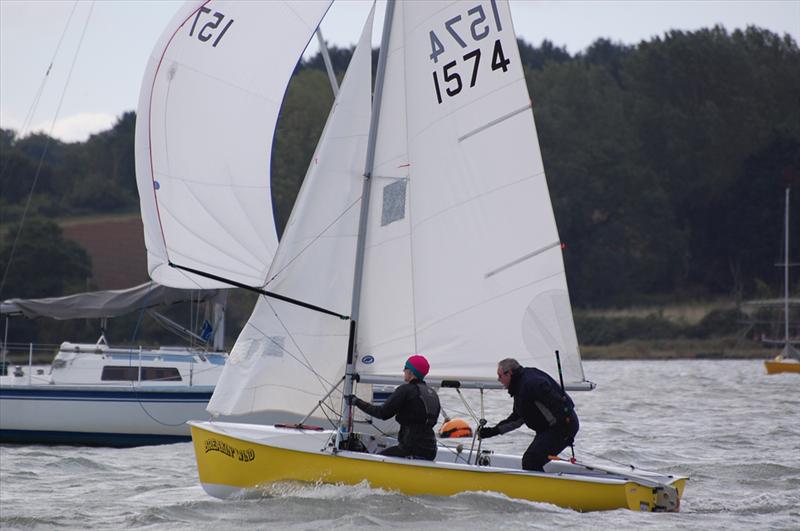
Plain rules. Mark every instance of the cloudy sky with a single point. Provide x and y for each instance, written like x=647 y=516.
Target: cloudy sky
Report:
x=98 y=50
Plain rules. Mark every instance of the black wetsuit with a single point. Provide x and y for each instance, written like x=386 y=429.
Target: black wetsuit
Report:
x=416 y=408
x=541 y=405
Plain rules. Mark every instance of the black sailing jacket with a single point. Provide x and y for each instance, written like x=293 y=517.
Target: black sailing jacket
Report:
x=416 y=408
x=539 y=402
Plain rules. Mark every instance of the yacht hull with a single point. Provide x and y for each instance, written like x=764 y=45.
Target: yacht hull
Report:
x=121 y=417
x=232 y=458
x=118 y=416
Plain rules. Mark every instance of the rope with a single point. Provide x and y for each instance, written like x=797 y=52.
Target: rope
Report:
x=46 y=146
x=470 y=412
x=317 y=237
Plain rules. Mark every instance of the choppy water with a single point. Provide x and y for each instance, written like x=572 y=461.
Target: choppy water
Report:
x=734 y=430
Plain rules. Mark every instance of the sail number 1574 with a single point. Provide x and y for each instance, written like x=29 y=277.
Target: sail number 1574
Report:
x=474 y=27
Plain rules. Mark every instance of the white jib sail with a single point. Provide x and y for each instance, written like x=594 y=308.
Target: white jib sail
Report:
x=463 y=261
x=207 y=111
x=288 y=357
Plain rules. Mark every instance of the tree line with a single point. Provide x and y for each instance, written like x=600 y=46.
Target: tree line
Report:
x=666 y=162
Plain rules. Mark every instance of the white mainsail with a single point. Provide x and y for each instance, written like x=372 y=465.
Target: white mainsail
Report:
x=287 y=356
x=207 y=112
x=463 y=260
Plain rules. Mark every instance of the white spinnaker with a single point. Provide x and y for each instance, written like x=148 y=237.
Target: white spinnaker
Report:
x=207 y=111
x=477 y=226
x=287 y=357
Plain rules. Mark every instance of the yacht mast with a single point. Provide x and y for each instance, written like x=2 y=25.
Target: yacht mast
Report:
x=786 y=275
x=344 y=430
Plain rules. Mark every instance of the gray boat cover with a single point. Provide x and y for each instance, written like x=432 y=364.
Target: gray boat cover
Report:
x=100 y=304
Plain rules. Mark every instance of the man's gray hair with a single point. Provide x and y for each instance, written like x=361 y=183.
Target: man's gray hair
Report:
x=508 y=364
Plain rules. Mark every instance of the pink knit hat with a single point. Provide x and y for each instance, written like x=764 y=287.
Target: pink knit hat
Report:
x=418 y=365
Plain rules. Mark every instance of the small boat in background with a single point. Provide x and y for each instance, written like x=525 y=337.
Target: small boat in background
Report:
x=789 y=358
x=96 y=394
x=781 y=363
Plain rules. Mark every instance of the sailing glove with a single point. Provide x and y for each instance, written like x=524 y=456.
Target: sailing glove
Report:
x=350 y=400
x=485 y=433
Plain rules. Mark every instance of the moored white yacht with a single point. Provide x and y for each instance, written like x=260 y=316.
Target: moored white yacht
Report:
x=101 y=395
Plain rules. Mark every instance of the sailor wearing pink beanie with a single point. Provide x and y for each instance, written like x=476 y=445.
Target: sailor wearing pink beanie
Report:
x=415 y=407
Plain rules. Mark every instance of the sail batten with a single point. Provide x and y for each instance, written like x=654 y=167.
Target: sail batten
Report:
x=494 y=122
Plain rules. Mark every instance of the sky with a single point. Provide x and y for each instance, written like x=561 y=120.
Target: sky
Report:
x=99 y=49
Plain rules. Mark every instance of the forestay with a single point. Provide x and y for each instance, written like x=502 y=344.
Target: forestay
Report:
x=463 y=260
x=207 y=112
x=288 y=357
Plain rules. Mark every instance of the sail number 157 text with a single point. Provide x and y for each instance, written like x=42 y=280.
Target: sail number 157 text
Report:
x=474 y=27
x=207 y=26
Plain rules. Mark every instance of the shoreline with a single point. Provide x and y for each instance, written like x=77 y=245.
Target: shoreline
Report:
x=723 y=348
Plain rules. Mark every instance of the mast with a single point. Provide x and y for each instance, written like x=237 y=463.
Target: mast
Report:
x=344 y=429
x=786 y=275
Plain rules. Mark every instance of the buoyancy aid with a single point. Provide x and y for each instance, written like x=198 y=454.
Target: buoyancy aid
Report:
x=430 y=400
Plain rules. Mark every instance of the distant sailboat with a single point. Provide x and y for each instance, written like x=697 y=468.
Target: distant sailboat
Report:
x=423 y=225
x=789 y=358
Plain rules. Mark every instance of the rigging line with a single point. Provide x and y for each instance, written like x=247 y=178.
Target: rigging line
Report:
x=136 y=388
x=308 y=364
x=303 y=363
x=261 y=291
x=317 y=237
x=470 y=412
x=454 y=451
x=46 y=145
x=37 y=97
x=620 y=463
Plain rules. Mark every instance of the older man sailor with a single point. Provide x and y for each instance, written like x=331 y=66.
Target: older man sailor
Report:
x=540 y=404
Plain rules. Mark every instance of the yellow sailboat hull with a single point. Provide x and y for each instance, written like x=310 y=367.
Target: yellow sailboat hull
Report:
x=233 y=463
x=778 y=365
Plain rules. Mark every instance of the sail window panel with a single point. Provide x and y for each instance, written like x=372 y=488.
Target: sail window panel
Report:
x=394 y=202
x=274 y=346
